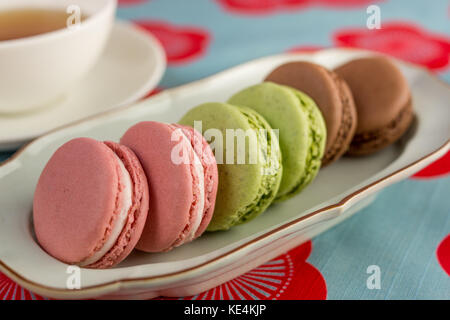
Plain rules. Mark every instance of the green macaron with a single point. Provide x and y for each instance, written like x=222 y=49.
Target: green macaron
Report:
x=302 y=131
x=248 y=157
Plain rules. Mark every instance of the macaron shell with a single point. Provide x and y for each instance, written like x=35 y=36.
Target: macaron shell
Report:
x=348 y=125
x=171 y=185
x=233 y=178
x=317 y=134
x=379 y=89
x=316 y=82
x=383 y=101
x=75 y=200
x=137 y=214
x=281 y=108
x=370 y=142
x=271 y=159
x=332 y=97
x=211 y=176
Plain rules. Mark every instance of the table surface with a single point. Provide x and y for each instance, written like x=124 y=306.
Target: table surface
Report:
x=403 y=238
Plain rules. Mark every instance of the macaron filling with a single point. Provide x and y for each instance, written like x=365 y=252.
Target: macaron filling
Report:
x=375 y=139
x=198 y=202
x=198 y=215
x=208 y=162
x=120 y=220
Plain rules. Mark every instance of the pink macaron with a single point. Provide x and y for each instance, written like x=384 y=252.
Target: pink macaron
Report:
x=91 y=203
x=182 y=175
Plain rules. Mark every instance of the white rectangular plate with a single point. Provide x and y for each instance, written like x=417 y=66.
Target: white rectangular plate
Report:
x=339 y=190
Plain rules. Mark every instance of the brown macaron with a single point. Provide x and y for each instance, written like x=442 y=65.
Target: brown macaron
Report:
x=383 y=102
x=332 y=96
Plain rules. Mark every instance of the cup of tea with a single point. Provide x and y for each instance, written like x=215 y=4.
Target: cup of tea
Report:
x=46 y=46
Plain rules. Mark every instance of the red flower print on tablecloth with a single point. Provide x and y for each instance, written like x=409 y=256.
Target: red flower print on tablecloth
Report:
x=345 y=4
x=286 y=277
x=153 y=92
x=9 y=290
x=439 y=168
x=305 y=49
x=256 y=7
x=182 y=43
x=261 y=6
x=443 y=254
x=403 y=40
x=130 y=2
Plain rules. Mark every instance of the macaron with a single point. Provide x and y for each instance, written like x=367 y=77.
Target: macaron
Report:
x=182 y=175
x=383 y=102
x=302 y=131
x=90 y=203
x=332 y=96
x=249 y=167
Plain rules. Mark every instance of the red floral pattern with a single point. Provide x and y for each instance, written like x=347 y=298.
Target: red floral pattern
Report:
x=286 y=277
x=261 y=6
x=256 y=7
x=403 y=40
x=153 y=92
x=131 y=2
x=9 y=290
x=345 y=4
x=305 y=49
x=443 y=254
x=182 y=43
x=439 y=168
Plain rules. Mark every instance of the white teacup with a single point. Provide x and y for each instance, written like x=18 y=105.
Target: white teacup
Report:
x=38 y=70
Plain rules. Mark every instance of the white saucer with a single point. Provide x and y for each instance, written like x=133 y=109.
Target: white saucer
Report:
x=132 y=64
